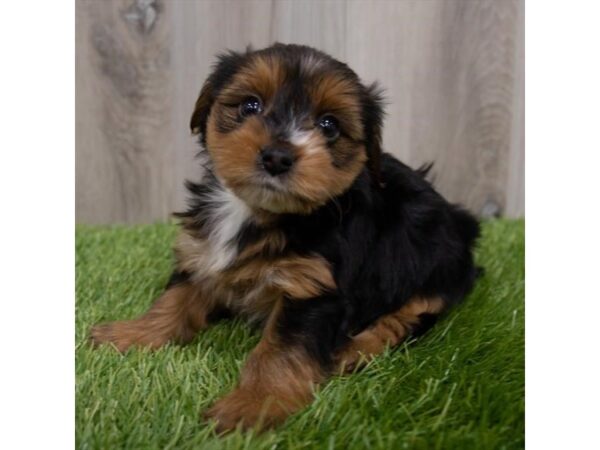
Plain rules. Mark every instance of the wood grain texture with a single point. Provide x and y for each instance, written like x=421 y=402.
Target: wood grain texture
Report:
x=124 y=88
x=453 y=73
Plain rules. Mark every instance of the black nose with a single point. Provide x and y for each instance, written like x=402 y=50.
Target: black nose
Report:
x=276 y=160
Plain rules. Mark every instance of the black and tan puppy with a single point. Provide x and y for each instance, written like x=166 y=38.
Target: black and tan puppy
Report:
x=300 y=223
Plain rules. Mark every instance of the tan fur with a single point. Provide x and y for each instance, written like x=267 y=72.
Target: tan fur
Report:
x=297 y=277
x=176 y=316
x=192 y=252
x=318 y=180
x=234 y=154
x=262 y=77
x=273 y=243
x=276 y=381
x=387 y=331
x=331 y=93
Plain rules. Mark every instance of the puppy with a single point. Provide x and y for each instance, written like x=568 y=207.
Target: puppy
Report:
x=300 y=223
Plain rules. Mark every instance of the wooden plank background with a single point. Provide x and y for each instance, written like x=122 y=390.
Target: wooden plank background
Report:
x=453 y=72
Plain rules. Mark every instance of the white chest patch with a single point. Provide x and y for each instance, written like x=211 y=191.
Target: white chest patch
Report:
x=228 y=215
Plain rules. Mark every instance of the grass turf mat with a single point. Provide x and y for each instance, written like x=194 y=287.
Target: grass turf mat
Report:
x=461 y=386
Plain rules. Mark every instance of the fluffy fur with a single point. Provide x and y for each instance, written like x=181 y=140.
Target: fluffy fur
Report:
x=300 y=223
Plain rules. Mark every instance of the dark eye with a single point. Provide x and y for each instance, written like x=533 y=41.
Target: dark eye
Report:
x=250 y=106
x=329 y=126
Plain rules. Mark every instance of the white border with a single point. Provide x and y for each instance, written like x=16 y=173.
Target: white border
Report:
x=37 y=382
x=563 y=224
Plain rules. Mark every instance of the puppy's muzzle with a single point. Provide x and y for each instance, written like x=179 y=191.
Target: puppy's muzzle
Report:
x=276 y=160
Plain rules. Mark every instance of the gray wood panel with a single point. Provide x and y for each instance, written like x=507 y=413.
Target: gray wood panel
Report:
x=453 y=71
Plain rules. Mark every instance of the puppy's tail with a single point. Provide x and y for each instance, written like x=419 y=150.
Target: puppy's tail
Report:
x=425 y=168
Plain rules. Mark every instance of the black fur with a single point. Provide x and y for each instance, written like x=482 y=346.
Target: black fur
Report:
x=386 y=245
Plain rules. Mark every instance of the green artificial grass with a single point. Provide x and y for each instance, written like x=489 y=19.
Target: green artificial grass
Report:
x=461 y=386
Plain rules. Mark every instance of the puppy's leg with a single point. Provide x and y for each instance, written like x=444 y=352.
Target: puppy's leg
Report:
x=277 y=380
x=388 y=331
x=176 y=316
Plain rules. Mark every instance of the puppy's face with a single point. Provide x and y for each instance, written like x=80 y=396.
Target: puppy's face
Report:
x=287 y=128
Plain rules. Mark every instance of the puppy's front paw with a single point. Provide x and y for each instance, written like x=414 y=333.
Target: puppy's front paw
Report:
x=246 y=409
x=110 y=333
x=125 y=334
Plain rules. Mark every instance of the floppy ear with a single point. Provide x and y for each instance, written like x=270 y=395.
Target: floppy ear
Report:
x=227 y=65
x=202 y=109
x=373 y=121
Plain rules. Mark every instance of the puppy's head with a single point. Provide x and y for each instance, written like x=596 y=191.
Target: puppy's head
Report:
x=288 y=128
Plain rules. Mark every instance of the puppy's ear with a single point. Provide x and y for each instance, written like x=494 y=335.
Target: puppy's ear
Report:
x=202 y=108
x=227 y=65
x=373 y=115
